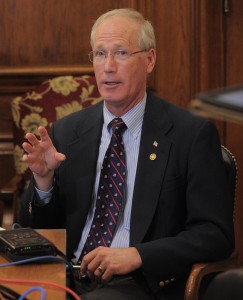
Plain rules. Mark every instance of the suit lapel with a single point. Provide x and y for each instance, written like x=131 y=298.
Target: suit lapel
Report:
x=82 y=154
x=153 y=156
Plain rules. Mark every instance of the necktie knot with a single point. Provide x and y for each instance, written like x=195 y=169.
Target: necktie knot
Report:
x=117 y=125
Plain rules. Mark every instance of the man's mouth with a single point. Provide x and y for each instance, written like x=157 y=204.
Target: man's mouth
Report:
x=111 y=82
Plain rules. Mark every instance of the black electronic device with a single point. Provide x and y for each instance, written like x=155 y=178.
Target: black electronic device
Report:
x=24 y=243
x=229 y=98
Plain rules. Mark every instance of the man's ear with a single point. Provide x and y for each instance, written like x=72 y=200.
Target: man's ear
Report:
x=151 y=59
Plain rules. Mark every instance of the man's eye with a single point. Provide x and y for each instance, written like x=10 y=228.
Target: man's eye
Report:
x=100 y=54
x=121 y=53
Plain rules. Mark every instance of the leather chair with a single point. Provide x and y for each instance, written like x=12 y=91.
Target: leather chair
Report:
x=48 y=102
x=200 y=270
x=226 y=286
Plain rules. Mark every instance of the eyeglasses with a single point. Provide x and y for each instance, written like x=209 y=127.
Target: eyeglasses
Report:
x=99 y=56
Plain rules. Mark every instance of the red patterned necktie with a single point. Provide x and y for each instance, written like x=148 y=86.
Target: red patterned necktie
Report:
x=110 y=192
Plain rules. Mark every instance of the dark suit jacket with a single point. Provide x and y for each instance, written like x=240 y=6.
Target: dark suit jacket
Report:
x=181 y=211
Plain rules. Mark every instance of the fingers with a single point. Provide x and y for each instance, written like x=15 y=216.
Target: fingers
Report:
x=60 y=156
x=43 y=135
x=95 y=265
x=27 y=147
x=32 y=139
x=33 y=145
x=87 y=259
x=29 y=156
x=90 y=264
x=101 y=273
x=40 y=153
x=105 y=262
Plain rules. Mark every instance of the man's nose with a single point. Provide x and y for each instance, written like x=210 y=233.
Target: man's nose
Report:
x=110 y=63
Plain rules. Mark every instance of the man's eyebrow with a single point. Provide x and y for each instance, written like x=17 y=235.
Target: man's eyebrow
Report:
x=114 y=47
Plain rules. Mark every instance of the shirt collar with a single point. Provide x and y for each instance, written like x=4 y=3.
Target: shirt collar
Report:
x=133 y=118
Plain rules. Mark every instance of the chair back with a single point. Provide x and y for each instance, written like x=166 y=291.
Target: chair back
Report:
x=201 y=269
x=48 y=102
x=227 y=285
x=231 y=173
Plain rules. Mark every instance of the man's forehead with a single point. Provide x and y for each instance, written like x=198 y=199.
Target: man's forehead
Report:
x=117 y=32
x=117 y=24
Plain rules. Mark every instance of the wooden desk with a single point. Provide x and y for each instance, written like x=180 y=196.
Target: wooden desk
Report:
x=52 y=272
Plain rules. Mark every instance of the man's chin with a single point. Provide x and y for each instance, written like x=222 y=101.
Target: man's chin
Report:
x=113 y=101
x=111 y=97
x=110 y=93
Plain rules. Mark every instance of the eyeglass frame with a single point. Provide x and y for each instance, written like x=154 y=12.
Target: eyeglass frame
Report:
x=129 y=54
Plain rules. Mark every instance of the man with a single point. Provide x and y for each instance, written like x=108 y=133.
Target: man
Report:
x=175 y=209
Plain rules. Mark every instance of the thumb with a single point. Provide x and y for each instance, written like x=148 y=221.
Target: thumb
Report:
x=60 y=156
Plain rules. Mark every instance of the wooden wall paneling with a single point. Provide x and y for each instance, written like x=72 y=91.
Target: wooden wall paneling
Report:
x=208 y=53
x=47 y=32
x=147 y=9
x=7 y=170
x=42 y=32
x=5 y=116
x=6 y=146
x=209 y=41
x=218 y=61
x=22 y=78
x=234 y=75
x=172 y=28
x=6 y=159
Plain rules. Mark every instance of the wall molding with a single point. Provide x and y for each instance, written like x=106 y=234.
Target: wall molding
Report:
x=21 y=79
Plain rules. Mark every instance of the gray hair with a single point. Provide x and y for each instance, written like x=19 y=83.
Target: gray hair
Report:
x=146 y=38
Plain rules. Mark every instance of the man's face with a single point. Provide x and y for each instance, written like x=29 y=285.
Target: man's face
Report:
x=122 y=84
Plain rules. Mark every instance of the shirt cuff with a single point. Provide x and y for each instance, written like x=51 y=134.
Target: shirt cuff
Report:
x=44 y=197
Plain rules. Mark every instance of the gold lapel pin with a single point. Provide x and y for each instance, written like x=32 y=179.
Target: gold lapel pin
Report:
x=152 y=156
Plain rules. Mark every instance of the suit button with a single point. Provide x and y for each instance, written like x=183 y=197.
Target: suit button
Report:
x=167 y=282
x=161 y=283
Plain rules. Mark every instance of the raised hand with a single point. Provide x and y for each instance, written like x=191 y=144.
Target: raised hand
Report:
x=42 y=158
